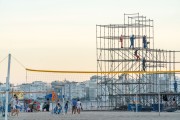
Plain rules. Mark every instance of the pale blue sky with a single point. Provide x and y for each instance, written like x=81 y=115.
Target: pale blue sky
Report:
x=60 y=34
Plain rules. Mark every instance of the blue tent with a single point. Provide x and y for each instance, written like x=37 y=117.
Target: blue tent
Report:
x=48 y=96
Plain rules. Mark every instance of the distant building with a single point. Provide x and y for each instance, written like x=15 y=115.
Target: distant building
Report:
x=83 y=90
x=2 y=87
x=92 y=85
x=38 y=87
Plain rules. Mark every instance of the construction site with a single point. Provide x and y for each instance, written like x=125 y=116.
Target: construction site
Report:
x=132 y=75
x=128 y=66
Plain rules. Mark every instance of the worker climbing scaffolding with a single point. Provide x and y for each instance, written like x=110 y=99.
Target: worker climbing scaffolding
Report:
x=121 y=40
x=144 y=64
x=132 y=38
x=136 y=55
x=145 y=43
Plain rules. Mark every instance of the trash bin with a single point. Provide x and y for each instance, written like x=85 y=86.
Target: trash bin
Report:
x=156 y=107
x=132 y=107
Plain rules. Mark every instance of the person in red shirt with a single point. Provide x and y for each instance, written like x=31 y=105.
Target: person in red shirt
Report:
x=121 y=40
x=136 y=55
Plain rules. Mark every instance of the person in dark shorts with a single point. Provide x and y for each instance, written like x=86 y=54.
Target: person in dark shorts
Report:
x=74 y=106
x=66 y=107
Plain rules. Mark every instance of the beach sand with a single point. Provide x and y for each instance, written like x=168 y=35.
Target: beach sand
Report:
x=98 y=115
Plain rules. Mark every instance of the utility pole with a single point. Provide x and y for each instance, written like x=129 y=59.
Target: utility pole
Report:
x=7 y=86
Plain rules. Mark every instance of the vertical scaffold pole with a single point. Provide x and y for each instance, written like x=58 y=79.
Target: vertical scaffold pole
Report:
x=7 y=86
x=136 y=102
x=160 y=84
x=159 y=99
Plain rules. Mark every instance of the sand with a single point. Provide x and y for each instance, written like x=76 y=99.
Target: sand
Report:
x=98 y=115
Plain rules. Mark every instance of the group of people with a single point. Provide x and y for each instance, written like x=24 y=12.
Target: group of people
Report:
x=32 y=106
x=76 y=106
x=132 y=38
x=58 y=107
x=145 y=43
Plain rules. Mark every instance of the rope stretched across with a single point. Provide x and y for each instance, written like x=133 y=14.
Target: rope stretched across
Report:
x=113 y=72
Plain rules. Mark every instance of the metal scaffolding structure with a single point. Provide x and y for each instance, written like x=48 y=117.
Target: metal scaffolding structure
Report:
x=117 y=50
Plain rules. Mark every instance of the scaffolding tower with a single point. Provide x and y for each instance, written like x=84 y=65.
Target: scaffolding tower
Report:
x=116 y=51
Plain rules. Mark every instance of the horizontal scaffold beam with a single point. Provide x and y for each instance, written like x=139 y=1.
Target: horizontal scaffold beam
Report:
x=146 y=20
x=137 y=48
x=125 y=26
x=136 y=16
x=124 y=37
x=108 y=82
x=131 y=13
x=132 y=60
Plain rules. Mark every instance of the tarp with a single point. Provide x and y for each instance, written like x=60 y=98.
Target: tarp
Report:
x=48 y=96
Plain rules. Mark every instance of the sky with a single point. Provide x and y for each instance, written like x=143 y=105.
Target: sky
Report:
x=61 y=34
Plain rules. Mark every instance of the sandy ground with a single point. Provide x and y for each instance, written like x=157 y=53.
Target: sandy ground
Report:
x=93 y=115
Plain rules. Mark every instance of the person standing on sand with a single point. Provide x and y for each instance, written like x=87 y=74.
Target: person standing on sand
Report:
x=66 y=107
x=74 y=106
x=78 y=106
x=13 y=110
